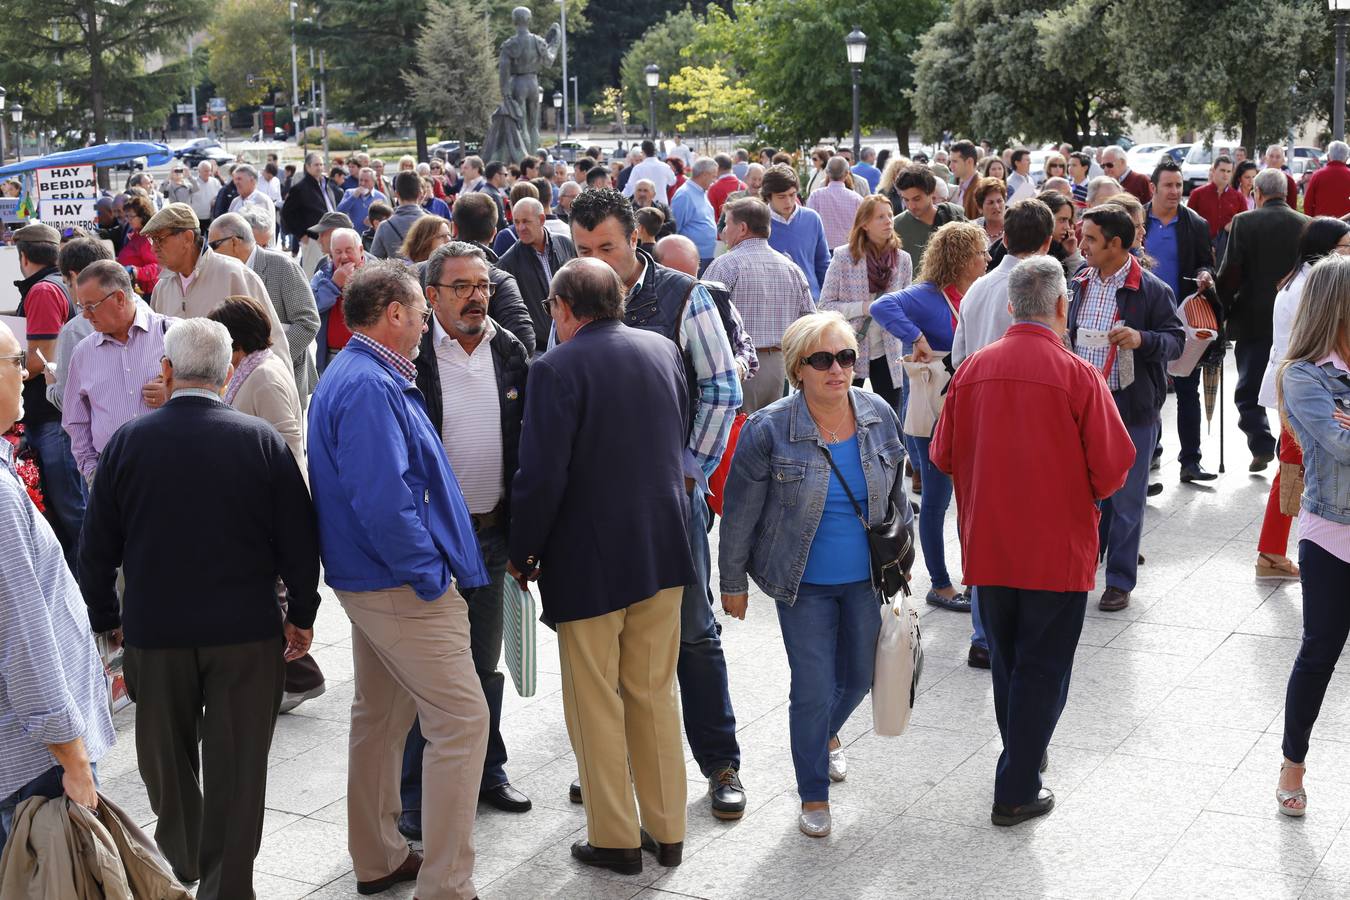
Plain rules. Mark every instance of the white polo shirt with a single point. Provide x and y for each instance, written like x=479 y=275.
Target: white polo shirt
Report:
x=471 y=417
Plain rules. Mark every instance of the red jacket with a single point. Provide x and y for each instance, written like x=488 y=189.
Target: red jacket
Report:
x=1215 y=208
x=1137 y=183
x=138 y=252
x=723 y=186
x=1032 y=439
x=1327 y=191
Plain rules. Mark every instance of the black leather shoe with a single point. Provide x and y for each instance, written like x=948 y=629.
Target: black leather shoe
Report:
x=1114 y=600
x=728 y=794
x=410 y=824
x=978 y=657
x=406 y=872
x=505 y=798
x=1155 y=489
x=1195 y=473
x=668 y=855
x=1260 y=461
x=1015 y=815
x=574 y=792
x=627 y=861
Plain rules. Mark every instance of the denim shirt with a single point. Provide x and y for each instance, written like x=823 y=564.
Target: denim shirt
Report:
x=1311 y=393
x=775 y=492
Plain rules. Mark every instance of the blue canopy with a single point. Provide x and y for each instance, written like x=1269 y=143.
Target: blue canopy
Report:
x=101 y=155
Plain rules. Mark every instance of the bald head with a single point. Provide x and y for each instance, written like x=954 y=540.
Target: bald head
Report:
x=590 y=290
x=679 y=253
x=528 y=217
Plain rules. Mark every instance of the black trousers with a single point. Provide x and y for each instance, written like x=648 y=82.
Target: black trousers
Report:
x=1326 y=624
x=879 y=373
x=1033 y=636
x=209 y=803
x=1251 y=356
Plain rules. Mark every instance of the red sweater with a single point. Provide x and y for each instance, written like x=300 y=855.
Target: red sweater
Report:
x=1031 y=437
x=1327 y=191
x=1137 y=183
x=1215 y=208
x=723 y=186
x=138 y=252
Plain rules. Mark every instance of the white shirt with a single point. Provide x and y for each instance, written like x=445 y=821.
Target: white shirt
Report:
x=1286 y=310
x=271 y=187
x=471 y=417
x=681 y=151
x=655 y=171
x=203 y=195
x=258 y=198
x=984 y=317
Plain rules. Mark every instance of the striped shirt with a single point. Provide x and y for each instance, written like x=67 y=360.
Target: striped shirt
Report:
x=837 y=205
x=53 y=688
x=103 y=386
x=401 y=363
x=471 y=417
x=1100 y=312
x=767 y=288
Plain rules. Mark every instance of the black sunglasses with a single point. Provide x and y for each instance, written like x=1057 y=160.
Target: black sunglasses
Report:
x=822 y=360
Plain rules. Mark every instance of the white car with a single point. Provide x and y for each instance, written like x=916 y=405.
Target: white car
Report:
x=1145 y=157
x=1195 y=168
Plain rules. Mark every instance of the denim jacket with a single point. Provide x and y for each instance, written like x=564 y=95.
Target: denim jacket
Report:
x=1311 y=394
x=775 y=492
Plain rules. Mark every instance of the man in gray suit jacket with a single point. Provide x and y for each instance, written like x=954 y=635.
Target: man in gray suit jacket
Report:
x=236 y=235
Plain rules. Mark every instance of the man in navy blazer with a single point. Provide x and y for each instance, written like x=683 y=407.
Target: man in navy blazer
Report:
x=598 y=515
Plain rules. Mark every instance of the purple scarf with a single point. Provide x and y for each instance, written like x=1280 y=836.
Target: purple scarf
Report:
x=245 y=369
x=880 y=270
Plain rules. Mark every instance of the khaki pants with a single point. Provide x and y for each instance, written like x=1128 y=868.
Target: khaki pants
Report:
x=618 y=677
x=767 y=385
x=412 y=659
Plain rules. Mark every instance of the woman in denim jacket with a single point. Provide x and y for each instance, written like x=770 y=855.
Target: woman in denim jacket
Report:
x=1313 y=388
x=788 y=524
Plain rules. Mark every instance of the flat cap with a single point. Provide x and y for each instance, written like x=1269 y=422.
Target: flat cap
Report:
x=328 y=222
x=37 y=233
x=174 y=217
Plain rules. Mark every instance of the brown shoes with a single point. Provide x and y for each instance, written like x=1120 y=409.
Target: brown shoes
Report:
x=1114 y=600
x=406 y=872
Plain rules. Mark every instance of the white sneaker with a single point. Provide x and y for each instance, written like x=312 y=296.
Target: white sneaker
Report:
x=838 y=764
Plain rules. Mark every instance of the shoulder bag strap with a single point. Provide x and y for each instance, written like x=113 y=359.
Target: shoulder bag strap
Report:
x=857 y=510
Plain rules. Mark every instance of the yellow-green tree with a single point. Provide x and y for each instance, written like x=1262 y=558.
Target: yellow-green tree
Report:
x=709 y=101
x=250 y=47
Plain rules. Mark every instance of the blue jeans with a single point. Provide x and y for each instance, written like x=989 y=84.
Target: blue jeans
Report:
x=933 y=503
x=62 y=485
x=830 y=633
x=485 y=645
x=1123 y=512
x=1188 y=418
x=705 y=696
x=1326 y=623
x=977 y=635
x=48 y=785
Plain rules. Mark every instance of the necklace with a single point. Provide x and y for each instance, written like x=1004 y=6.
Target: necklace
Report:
x=833 y=432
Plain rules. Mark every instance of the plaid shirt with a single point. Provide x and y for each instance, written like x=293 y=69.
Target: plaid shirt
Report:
x=1100 y=312
x=401 y=363
x=766 y=287
x=837 y=205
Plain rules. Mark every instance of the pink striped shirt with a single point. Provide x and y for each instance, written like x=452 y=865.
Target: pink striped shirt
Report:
x=103 y=384
x=837 y=204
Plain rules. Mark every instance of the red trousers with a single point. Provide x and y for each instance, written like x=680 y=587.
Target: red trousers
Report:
x=1275 y=526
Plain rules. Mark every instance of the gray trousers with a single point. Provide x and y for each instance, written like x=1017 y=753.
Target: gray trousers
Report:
x=767 y=385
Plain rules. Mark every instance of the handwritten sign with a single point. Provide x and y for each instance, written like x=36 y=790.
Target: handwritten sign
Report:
x=65 y=182
x=9 y=210
x=65 y=213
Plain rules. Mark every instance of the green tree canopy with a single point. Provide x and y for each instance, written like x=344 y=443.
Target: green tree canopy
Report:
x=250 y=38
x=710 y=101
x=455 y=84
x=665 y=44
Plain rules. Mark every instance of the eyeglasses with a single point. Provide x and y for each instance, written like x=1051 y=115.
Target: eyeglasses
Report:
x=463 y=291
x=1057 y=165
x=822 y=360
x=158 y=240
x=88 y=308
x=1108 y=165
x=216 y=244
x=424 y=312
x=17 y=359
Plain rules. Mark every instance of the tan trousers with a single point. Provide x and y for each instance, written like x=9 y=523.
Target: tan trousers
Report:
x=412 y=659
x=618 y=679
x=311 y=254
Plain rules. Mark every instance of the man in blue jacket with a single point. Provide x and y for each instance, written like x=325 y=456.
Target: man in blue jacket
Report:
x=1123 y=320
x=599 y=514
x=394 y=532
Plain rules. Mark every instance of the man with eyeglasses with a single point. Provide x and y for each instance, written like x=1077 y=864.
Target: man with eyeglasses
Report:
x=474 y=221
x=472 y=373
x=346 y=255
x=396 y=537
x=114 y=374
x=1136 y=183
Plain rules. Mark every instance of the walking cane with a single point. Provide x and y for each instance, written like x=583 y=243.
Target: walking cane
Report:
x=1223 y=401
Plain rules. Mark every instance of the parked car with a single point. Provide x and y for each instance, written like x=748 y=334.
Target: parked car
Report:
x=1300 y=167
x=450 y=151
x=196 y=151
x=567 y=150
x=1145 y=157
x=1195 y=168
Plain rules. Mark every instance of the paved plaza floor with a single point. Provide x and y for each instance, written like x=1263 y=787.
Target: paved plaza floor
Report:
x=1164 y=763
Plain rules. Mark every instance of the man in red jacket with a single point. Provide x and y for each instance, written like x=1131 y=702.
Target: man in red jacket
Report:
x=1327 y=191
x=1217 y=201
x=1033 y=581
x=1115 y=165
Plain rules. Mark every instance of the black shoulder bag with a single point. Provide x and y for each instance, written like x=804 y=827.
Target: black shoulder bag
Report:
x=890 y=544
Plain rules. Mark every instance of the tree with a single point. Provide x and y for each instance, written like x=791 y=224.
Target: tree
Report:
x=454 y=84
x=1265 y=65
x=95 y=52
x=250 y=50
x=663 y=44
x=709 y=101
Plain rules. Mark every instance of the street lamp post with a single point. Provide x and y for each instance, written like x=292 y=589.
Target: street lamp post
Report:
x=295 y=80
x=16 y=113
x=1340 y=8
x=557 y=117
x=855 y=45
x=2 y=126
x=562 y=24
x=653 y=73
x=576 y=101
x=129 y=115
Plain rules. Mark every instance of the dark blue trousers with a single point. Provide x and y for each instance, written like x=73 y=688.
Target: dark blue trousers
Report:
x=1326 y=623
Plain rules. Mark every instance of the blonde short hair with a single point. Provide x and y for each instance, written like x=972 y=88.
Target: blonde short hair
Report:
x=802 y=335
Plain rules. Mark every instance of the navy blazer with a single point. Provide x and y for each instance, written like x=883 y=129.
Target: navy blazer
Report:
x=598 y=504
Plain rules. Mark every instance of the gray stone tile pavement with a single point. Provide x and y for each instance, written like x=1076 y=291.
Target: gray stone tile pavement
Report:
x=1164 y=763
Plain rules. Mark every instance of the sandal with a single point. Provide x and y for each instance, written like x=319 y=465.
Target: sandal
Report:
x=1271 y=566
x=1283 y=798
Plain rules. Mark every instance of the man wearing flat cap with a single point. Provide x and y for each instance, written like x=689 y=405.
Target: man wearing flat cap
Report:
x=194 y=278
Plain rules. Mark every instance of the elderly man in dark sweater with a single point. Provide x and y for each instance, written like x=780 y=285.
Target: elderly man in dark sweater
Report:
x=204 y=508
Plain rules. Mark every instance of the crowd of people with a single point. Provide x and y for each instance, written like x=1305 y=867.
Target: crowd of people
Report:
x=419 y=385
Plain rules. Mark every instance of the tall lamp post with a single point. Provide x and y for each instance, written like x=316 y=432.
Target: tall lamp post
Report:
x=1340 y=8
x=16 y=113
x=562 y=25
x=855 y=45
x=295 y=81
x=653 y=73
x=557 y=118
x=576 y=102
x=129 y=115
x=2 y=126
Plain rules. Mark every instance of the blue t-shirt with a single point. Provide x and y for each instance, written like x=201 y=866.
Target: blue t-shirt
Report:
x=1161 y=244
x=839 y=550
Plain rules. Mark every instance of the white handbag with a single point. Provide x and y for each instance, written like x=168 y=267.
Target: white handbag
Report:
x=927 y=381
x=899 y=663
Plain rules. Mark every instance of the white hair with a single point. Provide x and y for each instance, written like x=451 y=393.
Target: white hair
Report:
x=647 y=181
x=703 y=166
x=1113 y=152
x=1035 y=286
x=259 y=219
x=635 y=155
x=1102 y=186
x=1272 y=183
x=1338 y=150
x=527 y=204
x=235 y=224
x=245 y=169
x=423 y=169
x=569 y=187
x=199 y=351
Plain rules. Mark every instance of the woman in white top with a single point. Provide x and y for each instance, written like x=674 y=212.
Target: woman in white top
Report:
x=1322 y=236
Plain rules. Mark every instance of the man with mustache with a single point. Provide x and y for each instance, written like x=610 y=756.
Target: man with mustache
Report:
x=471 y=371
